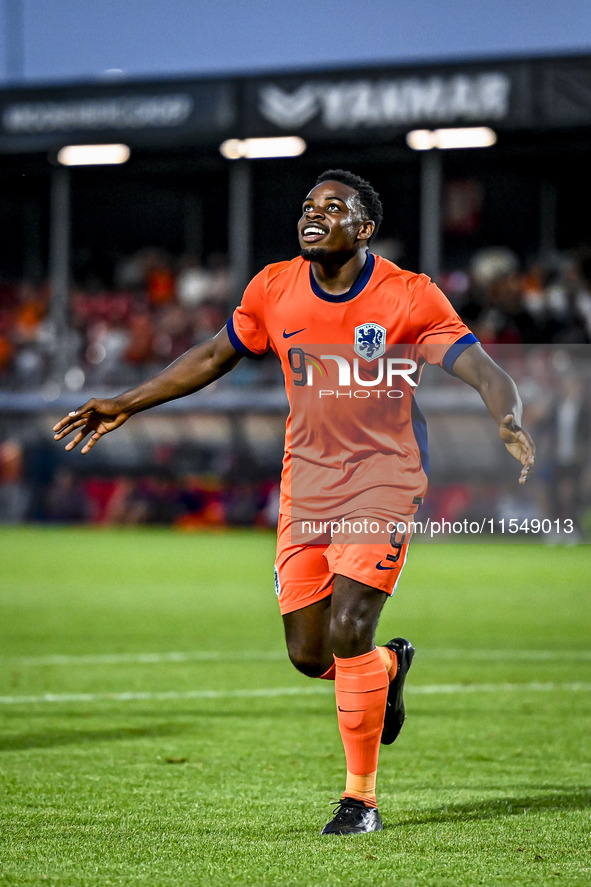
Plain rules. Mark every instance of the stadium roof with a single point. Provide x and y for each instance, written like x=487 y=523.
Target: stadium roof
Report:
x=324 y=106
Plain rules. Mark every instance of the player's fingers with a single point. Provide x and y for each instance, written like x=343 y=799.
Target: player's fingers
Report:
x=64 y=430
x=75 y=417
x=528 y=445
x=64 y=423
x=91 y=441
x=77 y=439
x=518 y=436
x=78 y=413
x=525 y=472
x=528 y=458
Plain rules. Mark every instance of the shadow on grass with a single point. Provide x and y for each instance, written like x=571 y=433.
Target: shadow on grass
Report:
x=81 y=735
x=64 y=728
x=556 y=798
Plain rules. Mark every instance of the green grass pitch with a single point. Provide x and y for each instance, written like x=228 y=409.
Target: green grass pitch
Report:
x=154 y=733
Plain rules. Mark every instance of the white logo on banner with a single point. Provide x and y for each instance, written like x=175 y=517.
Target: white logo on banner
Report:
x=124 y=112
x=404 y=101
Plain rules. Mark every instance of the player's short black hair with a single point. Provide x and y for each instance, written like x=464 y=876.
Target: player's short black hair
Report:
x=368 y=197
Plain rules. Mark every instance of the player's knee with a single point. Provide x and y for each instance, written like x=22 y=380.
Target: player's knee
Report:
x=354 y=616
x=307 y=661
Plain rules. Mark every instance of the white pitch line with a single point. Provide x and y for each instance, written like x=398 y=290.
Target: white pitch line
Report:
x=133 y=696
x=270 y=692
x=144 y=658
x=513 y=655
x=275 y=655
x=530 y=687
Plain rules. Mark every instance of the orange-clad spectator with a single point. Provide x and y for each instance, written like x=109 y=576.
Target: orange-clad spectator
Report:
x=6 y=352
x=160 y=280
x=30 y=311
x=141 y=338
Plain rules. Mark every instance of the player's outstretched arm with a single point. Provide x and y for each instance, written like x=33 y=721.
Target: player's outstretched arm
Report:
x=499 y=393
x=192 y=371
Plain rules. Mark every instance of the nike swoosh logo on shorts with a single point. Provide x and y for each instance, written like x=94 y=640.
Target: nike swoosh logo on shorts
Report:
x=287 y=335
x=380 y=566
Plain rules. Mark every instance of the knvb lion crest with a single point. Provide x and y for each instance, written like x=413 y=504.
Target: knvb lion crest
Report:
x=370 y=341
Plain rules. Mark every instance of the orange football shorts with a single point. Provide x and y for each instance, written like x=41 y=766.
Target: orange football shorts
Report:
x=305 y=569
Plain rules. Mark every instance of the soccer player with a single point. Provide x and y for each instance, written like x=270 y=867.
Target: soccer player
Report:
x=352 y=331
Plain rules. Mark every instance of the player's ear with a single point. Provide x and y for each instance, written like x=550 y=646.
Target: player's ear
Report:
x=367 y=229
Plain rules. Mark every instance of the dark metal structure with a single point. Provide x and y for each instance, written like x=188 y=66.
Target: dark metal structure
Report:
x=178 y=190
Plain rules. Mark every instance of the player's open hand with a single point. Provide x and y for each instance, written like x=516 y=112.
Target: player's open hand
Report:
x=96 y=417
x=519 y=444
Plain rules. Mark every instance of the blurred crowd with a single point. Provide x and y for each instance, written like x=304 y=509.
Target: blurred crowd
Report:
x=547 y=301
x=155 y=306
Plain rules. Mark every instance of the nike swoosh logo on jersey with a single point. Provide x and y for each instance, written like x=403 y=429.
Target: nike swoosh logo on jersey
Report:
x=287 y=335
x=380 y=566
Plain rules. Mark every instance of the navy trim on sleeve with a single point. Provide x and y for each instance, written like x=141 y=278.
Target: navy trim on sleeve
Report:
x=419 y=426
x=239 y=345
x=452 y=353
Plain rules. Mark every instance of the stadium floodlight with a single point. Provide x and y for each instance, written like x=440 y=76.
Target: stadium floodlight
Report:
x=445 y=139
x=252 y=149
x=93 y=155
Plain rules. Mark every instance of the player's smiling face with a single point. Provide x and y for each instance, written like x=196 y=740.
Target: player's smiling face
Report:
x=333 y=222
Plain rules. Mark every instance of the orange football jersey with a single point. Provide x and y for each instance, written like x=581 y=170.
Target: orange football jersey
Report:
x=356 y=442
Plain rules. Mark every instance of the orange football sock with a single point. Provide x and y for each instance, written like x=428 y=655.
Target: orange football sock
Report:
x=361 y=690
x=390 y=660
x=362 y=787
